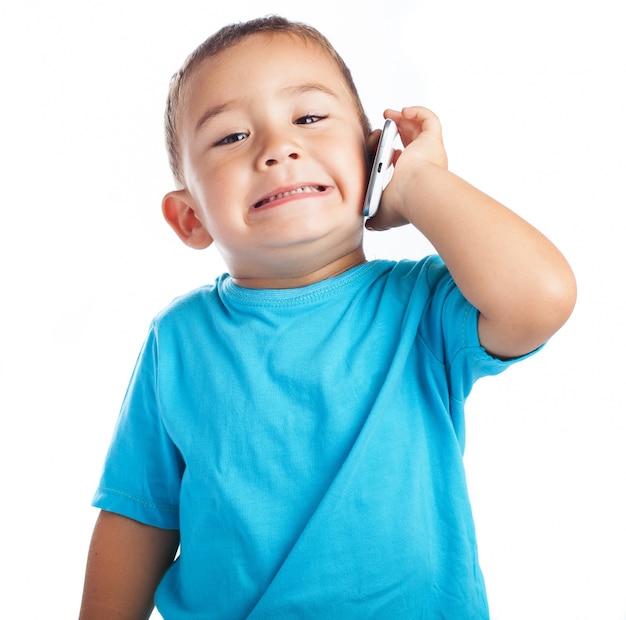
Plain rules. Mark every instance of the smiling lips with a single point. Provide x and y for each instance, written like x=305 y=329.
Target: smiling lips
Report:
x=304 y=189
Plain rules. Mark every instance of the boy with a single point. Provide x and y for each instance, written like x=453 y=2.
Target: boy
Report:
x=296 y=430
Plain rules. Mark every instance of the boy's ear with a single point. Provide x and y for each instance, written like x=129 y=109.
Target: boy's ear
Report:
x=180 y=215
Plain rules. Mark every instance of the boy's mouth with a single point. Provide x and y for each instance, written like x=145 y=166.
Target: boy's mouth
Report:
x=303 y=189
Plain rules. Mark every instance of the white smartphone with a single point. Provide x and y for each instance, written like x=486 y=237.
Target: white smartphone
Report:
x=381 y=169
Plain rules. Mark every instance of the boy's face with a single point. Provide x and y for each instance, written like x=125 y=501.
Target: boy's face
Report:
x=274 y=159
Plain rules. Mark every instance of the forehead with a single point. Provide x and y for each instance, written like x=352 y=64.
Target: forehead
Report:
x=264 y=63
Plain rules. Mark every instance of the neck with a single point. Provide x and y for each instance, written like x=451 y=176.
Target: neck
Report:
x=305 y=278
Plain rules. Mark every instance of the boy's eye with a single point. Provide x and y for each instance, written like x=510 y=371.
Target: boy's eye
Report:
x=232 y=138
x=309 y=119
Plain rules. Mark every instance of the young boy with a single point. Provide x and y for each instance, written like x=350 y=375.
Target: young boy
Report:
x=295 y=430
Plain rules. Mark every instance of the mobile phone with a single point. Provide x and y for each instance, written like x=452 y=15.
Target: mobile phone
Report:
x=381 y=168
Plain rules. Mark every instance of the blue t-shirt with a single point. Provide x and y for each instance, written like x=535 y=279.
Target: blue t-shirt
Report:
x=308 y=445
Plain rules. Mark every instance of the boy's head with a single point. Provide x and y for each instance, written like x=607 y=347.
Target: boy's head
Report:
x=225 y=38
x=269 y=146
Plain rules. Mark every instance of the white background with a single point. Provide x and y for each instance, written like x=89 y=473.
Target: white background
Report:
x=532 y=100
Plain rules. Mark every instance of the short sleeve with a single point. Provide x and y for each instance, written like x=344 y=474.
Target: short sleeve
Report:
x=143 y=468
x=450 y=330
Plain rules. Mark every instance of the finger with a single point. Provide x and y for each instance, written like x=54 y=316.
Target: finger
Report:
x=428 y=120
x=407 y=130
x=394 y=115
x=408 y=121
x=417 y=112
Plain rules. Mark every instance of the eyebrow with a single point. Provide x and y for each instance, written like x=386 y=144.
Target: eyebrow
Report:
x=212 y=113
x=307 y=88
x=288 y=90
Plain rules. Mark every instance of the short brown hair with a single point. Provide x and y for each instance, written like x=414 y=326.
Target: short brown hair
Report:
x=227 y=37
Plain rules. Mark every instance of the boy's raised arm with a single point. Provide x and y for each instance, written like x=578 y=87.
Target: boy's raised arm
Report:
x=126 y=561
x=518 y=280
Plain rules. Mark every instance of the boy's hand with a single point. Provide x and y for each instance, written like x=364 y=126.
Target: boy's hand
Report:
x=520 y=283
x=421 y=135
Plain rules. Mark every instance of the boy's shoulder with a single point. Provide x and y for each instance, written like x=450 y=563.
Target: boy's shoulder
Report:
x=194 y=298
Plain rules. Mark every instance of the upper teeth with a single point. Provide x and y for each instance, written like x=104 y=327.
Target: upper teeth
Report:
x=307 y=189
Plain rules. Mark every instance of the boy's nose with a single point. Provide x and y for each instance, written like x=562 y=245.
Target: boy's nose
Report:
x=278 y=148
x=272 y=162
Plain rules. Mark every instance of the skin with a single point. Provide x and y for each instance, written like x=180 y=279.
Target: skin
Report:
x=251 y=131
x=519 y=281
x=126 y=561
x=276 y=116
